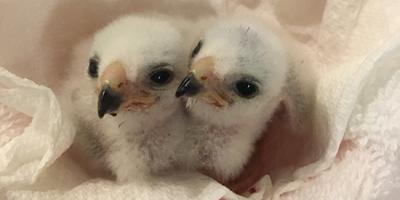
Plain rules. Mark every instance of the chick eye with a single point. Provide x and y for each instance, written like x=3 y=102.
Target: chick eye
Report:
x=93 y=67
x=246 y=89
x=196 y=50
x=161 y=77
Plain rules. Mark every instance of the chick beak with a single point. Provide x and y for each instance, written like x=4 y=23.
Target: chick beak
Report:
x=190 y=86
x=109 y=101
x=202 y=83
x=111 y=86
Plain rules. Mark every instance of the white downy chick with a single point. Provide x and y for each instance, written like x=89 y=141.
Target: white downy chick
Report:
x=237 y=79
x=123 y=102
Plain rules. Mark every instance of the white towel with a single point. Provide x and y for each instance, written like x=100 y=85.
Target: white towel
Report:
x=355 y=44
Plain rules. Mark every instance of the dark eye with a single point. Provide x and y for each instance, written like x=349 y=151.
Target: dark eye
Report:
x=93 y=67
x=196 y=50
x=161 y=76
x=246 y=89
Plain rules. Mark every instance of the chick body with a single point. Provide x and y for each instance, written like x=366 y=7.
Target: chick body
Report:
x=140 y=140
x=233 y=96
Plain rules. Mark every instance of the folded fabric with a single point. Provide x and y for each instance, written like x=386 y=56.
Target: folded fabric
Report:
x=33 y=131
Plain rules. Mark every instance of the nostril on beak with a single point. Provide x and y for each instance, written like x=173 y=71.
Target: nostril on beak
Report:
x=109 y=101
x=189 y=86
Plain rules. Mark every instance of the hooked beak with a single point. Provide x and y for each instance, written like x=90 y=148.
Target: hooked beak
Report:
x=189 y=86
x=117 y=93
x=109 y=101
x=112 y=82
x=202 y=83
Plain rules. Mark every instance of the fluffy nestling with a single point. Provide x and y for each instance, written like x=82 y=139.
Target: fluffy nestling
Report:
x=238 y=76
x=123 y=102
